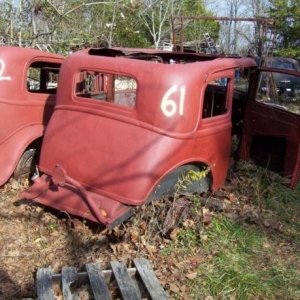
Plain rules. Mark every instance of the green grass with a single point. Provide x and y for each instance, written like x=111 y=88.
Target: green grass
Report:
x=248 y=260
x=244 y=265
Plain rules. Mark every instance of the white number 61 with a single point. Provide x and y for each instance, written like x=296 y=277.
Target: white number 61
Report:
x=169 y=106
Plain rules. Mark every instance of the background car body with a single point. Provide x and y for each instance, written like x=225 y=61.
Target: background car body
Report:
x=287 y=86
x=27 y=101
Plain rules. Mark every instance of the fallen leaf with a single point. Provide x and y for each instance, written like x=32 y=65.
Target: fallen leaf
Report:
x=197 y=259
x=151 y=249
x=233 y=198
x=174 y=233
x=207 y=218
x=134 y=234
x=192 y=275
x=204 y=237
x=174 y=288
x=14 y=253
x=188 y=223
x=184 y=289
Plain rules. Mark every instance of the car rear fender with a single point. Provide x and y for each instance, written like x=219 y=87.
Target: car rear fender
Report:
x=12 y=149
x=168 y=185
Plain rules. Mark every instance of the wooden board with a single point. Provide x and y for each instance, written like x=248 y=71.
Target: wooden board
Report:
x=97 y=281
x=149 y=279
x=133 y=283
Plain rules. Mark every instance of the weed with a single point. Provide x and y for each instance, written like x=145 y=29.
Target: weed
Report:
x=168 y=250
x=188 y=178
x=51 y=227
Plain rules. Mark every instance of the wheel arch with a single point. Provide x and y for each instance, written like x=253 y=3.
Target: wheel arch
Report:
x=167 y=183
x=14 y=147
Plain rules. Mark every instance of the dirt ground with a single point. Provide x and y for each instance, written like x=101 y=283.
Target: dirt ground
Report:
x=32 y=237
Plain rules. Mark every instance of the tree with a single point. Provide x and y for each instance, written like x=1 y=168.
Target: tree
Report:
x=234 y=35
x=241 y=36
x=195 y=29
x=129 y=31
x=287 y=15
x=156 y=15
x=61 y=24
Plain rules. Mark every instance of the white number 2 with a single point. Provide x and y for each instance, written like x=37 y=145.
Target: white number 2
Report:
x=2 y=67
x=169 y=106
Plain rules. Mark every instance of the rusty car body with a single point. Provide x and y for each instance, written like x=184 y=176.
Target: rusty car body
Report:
x=271 y=129
x=128 y=124
x=28 y=81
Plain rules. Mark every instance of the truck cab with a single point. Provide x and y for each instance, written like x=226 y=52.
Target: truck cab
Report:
x=28 y=83
x=129 y=123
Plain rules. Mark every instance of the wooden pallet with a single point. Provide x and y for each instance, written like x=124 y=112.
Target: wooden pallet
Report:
x=133 y=283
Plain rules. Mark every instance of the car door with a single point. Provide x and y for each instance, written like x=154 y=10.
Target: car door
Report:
x=271 y=132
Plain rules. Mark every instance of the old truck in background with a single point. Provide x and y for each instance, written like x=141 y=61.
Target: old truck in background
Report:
x=129 y=123
x=28 y=82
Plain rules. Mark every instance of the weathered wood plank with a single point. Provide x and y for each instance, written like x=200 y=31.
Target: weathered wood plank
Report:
x=125 y=283
x=44 y=284
x=98 y=282
x=149 y=279
x=83 y=278
x=131 y=289
x=68 y=276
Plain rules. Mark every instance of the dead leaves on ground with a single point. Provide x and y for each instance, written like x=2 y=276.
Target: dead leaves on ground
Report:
x=32 y=237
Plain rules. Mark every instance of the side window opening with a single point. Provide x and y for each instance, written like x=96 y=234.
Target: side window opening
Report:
x=42 y=77
x=117 y=89
x=241 y=79
x=215 y=98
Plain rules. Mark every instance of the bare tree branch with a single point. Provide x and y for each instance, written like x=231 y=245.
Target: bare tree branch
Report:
x=82 y=5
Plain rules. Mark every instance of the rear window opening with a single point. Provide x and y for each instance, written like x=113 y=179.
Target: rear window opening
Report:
x=42 y=77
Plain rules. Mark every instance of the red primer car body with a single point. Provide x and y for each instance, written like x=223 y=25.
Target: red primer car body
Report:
x=26 y=104
x=128 y=125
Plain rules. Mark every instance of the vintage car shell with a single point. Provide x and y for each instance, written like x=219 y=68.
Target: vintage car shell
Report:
x=121 y=155
x=23 y=114
x=142 y=133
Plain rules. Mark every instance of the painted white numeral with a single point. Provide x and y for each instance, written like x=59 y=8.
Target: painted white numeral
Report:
x=2 y=67
x=181 y=102
x=169 y=106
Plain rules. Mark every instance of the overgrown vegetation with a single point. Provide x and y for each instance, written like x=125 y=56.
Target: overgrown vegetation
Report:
x=251 y=249
x=240 y=242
